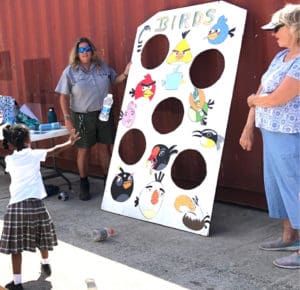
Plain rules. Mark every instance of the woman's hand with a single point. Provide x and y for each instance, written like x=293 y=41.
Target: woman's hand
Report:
x=74 y=136
x=123 y=76
x=127 y=68
x=247 y=138
x=251 y=99
x=69 y=125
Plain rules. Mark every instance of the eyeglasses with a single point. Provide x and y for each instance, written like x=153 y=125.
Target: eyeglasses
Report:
x=84 y=49
x=276 y=28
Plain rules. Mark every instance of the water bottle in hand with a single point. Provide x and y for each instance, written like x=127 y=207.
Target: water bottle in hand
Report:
x=107 y=103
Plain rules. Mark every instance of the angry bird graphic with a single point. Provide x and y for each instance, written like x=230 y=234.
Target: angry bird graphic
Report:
x=173 y=79
x=199 y=107
x=145 y=88
x=209 y=138
x=219 y=32
x=151 y=197
x=182 y=51
x=160 y=156
x=193 y=217
x=122 y=186
x=128 y=116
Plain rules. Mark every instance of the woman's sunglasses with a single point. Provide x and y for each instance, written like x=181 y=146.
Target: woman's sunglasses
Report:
x=84 y=49
x=276 y=28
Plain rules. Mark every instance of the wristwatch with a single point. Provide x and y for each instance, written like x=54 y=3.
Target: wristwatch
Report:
x=67 y=117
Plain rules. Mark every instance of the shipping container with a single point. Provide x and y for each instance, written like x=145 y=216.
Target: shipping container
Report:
x=35 y=41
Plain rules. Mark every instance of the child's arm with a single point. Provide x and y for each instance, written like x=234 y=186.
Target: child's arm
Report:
x=61 y=147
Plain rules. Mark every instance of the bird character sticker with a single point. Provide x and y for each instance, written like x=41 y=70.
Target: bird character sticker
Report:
x=151 y=197
x=160 y=156
x=219 y=32
x=193 y=217
x=173 y=79
x=209 y=138
x=199 y=107
x=122 y=186
x=182 y=52
x=145 y=88
x=128 y=116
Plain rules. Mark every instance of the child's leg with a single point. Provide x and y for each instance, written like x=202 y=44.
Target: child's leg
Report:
x=16 y=263
x=44 y=254
x=45 y=265
x=16 y=260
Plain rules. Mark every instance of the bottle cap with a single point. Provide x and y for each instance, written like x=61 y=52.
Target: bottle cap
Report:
x=111 y=231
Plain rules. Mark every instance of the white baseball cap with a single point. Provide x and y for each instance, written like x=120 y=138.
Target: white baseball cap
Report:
x=271 y=25
x=275 y=22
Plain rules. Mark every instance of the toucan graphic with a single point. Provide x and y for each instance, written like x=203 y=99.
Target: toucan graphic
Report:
x=209 y=138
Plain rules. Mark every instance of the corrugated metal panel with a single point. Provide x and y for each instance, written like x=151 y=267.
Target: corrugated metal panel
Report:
x=37 y=35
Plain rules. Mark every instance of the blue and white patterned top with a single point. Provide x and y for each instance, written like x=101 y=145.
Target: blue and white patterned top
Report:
x=284 y=118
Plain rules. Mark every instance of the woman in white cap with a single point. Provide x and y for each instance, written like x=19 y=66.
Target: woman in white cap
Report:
x=275 y=109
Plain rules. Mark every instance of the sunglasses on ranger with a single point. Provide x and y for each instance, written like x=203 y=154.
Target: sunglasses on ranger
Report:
x=277 y=27
x=84 y=49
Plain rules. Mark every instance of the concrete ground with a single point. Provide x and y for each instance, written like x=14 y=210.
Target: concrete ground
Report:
x=148 y=256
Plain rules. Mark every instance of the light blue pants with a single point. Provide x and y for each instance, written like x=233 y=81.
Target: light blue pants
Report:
x=282 y=175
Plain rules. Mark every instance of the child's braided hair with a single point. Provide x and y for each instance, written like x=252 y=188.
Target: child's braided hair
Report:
x=17 y=135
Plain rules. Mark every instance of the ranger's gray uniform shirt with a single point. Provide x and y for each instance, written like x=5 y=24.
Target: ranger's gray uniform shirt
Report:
x=86 y=89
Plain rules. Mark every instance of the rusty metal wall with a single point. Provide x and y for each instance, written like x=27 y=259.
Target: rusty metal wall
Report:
x=37 y=35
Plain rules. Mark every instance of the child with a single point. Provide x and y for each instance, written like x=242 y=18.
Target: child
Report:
x=27 y=223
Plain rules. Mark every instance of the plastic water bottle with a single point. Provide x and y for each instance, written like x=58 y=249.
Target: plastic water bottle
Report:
x=52 y=115
x=107 y=103
x=90 y=283
x=102 y=234
x=63 y=196
x=49 y=126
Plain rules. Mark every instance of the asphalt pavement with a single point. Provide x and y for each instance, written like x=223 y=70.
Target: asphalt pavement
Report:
x=144 y=256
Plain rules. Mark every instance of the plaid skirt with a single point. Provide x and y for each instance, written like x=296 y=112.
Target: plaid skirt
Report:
x=27 y=226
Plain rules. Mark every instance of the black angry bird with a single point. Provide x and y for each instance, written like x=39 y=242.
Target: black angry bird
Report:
x=160 y=156
x=122 y=186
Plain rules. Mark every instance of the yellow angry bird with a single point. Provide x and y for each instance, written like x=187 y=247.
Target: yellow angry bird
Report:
x=182 y=51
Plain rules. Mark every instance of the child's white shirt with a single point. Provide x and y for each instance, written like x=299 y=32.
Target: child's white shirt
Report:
x=26 y=179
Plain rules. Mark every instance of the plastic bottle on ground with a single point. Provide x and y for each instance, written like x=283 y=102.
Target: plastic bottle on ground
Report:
x=90 y=283
x=63 y=196
x=102 y=234
x=107 y=103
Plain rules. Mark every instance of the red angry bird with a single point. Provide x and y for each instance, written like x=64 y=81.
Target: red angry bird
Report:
x=145 y=88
